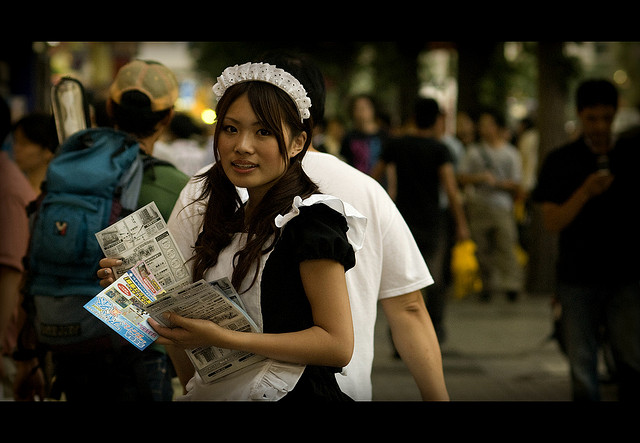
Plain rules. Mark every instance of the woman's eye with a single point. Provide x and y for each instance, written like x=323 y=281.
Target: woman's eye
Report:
x=264 y=132
x=230 y=129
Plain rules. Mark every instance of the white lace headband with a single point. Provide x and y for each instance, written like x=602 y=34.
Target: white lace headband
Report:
x=265 y=72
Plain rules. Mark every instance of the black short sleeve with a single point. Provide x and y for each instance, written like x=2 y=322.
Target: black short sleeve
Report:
x=319 y=232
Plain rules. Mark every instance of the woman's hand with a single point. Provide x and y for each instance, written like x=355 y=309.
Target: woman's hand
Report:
x=188 y=333
x=105 y=273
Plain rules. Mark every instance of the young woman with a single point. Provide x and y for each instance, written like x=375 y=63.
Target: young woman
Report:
x=286 y=248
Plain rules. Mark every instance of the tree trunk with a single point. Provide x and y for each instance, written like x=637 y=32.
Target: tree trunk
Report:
x=552 y=100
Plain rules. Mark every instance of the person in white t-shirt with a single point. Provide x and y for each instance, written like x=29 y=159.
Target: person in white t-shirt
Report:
x=389 y=268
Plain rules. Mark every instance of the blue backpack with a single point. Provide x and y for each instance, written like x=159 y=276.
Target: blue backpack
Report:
x=93 y=181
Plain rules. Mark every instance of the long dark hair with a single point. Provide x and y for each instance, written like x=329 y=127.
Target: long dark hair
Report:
x=224 y=215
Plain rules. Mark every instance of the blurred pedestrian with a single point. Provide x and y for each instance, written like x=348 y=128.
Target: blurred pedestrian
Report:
x=457 y=150
x=35 y=140
x=490 y=173
x=15 y=194
x=423 y=165
x=362 y=143
x=527 y=140
x=466 y=128
x=102 y=366
x=587 y=190
x=330 y=140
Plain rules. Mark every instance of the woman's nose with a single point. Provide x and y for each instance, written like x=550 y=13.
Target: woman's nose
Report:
x=244 y=144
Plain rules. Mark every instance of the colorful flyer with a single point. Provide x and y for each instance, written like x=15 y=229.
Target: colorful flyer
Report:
x=121 y=305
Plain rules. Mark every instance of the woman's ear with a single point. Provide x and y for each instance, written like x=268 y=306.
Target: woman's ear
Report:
x=298 y=144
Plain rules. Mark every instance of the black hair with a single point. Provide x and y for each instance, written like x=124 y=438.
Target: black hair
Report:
x=40 y=128
x=426 y=112
x=369 y=97
x=5 y=119
x=307 y=73
x=497 y=115
x=596 y=92
x=134 y=115
x=224 y=215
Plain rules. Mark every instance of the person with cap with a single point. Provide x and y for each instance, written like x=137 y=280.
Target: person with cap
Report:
x=140 y=104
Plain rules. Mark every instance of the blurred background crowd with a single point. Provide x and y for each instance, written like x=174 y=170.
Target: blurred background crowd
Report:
x=532 y=83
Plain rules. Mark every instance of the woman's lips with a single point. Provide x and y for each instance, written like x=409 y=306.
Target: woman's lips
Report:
x=243 y=166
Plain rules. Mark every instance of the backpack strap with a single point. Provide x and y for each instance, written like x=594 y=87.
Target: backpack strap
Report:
x=128 y=189
x=151 y=162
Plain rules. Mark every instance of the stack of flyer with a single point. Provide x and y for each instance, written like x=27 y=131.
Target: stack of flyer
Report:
x=137 y=294
x=122 y=305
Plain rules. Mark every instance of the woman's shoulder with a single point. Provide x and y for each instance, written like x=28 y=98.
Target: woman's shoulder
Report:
x=314 y=230
x=325 y=208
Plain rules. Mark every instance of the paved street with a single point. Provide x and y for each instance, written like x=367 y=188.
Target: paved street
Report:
x=495 y=351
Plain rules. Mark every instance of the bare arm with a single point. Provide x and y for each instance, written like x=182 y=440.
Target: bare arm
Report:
x=416 y=342
x=10 y=279
x=476 y=178
x=328 y=342
x=181 y=363
x=556 y=217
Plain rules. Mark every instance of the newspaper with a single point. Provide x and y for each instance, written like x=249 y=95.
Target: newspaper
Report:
x=143 y=235
x=203 y=300
x=154 y=279
x=121 y=305
x=126 y=305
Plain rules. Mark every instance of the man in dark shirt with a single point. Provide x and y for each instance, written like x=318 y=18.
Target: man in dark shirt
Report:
x=423 y=166
x=588 y=190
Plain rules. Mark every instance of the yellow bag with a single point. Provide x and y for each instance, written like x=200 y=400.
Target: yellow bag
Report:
x=464 y=268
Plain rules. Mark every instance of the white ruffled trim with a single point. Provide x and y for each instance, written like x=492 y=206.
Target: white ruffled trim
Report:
x=265 y=72
x=356 y=222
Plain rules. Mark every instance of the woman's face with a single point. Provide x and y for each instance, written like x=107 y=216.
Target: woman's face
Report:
x=249 y=153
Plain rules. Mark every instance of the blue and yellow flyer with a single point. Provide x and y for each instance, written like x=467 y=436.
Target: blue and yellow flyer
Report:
x=121 y=305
